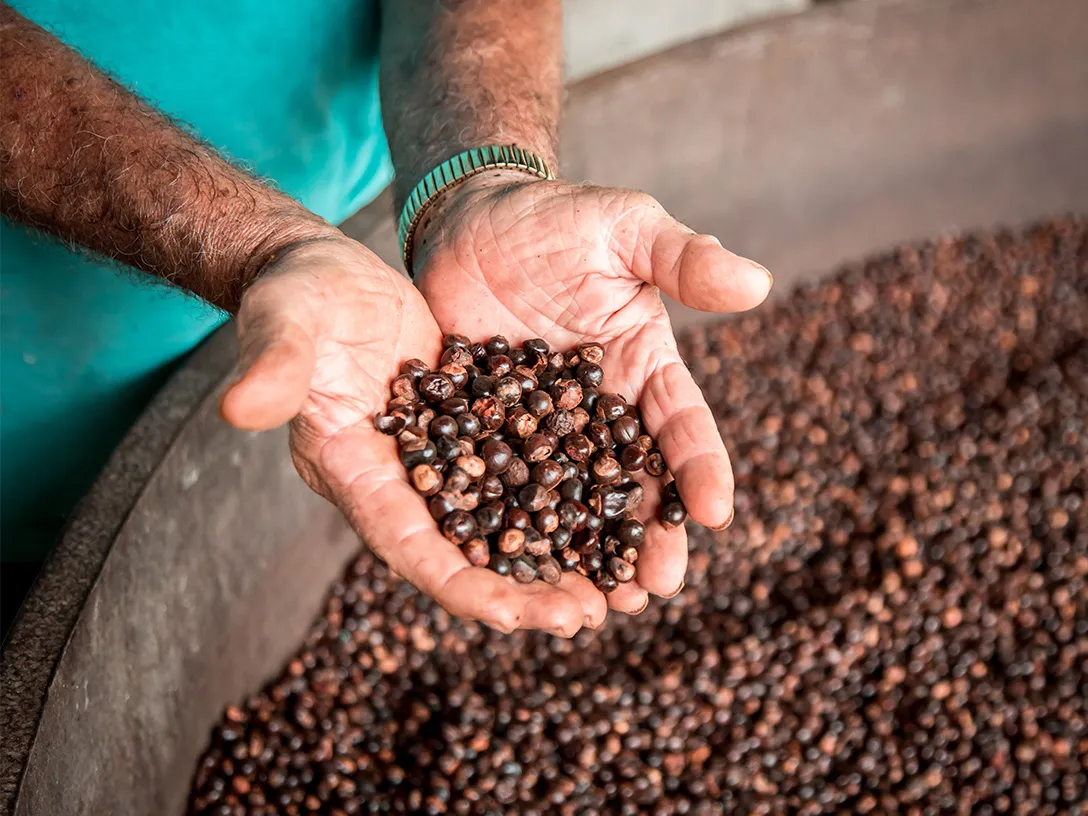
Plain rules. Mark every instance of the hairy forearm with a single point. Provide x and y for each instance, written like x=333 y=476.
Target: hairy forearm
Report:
x=465 y=73
x=86 y=160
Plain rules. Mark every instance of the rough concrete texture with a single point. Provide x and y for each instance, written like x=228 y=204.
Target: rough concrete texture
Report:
x=602 y=34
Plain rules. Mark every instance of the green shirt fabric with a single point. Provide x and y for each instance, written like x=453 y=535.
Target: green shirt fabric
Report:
x=288 y=88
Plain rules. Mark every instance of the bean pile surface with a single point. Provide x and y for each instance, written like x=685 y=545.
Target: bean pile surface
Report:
x=530 y=468
x=897 y=622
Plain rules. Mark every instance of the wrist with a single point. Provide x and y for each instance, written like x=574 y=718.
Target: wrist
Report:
x=272 y=239
x=445 y=217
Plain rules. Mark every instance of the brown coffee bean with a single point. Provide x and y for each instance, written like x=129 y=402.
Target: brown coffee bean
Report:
x=499 y=365
x=414 y=368
x=566 y=394
x=524 y=570
x=476 y=551
x=536 y=543
x=548 y=569
x=591 y=352
x=622 y=571
x=546 y=521
x=520 y=422
x=538 y=447
x=508 y=390
x=600 y=435
x=673 y=514
x=490 y=411
x=560 y=422
x=578 y=447
x=390 y=424
x=426 y=480
x=655 y=464
x=533 y=497
x=511 y=542
x=497 y=456
x=625 y=430
x=459 y=526
x=539 y=404
x=547 y=473
x=589 y=375
x=516 y=473
x=489 y=517
x=455 y=356
x=456 y=372
x=491 y=487
x=405 y=386
x=633 y=458
x=518 y=519
x=606 y=471
x=610 y=407
x=435 y=387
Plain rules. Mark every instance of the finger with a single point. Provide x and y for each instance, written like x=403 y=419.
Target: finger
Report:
x=394 y=521
x=691 y=268
x=631 y=599
x=275 y=367
x=675 y=412
x=662 y=560
x=594 y=604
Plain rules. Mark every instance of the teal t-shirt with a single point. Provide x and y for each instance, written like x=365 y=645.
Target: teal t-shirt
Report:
x=287 y=87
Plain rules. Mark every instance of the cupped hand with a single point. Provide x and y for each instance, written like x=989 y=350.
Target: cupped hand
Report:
x=503 y=254
x=322 y=332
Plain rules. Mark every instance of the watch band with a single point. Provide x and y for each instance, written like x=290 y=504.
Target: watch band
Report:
x=455 y=170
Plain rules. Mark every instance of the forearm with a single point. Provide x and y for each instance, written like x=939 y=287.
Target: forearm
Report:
x=465 y=73
x=85 y=160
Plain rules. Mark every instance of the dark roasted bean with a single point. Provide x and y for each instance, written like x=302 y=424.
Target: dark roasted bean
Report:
x=537 y=447
x=625 y=430
x=426 y=480
x=610 y=407
x=673 y=514
x=435 y=387
x=442 y=426
x=476 y=551
x=497 y=345
x=516 y=473
x=599 y=435
x=566 y=394
x=589 y=375
x=548 y=569
x=655 y=463
x=633 y=458
x=533 y=497
x=497 y=456
x=547 y=473
x=539 y=403
x=391 y=424
x=523 y=568
x=459 y=526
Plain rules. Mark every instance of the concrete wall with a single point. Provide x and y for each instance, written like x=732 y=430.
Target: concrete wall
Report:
x=602 y=34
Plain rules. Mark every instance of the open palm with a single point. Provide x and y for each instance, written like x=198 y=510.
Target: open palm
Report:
x=322 y=333
x=573 y=264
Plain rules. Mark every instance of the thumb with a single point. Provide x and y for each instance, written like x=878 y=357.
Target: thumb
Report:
x=275 y=365
x=691 y=268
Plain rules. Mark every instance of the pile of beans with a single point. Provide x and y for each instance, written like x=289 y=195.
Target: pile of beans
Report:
x=509 y=442
x=897 y=622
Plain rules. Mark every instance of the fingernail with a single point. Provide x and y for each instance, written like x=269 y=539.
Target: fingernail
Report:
x=646 y=603
x=728 y=521
x=679 y=589
x=587 y=622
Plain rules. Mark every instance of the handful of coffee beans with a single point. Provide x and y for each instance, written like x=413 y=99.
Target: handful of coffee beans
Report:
x=527 y=465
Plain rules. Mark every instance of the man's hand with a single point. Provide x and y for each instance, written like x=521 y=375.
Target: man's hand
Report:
x=505 y=254
x=323 y=331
